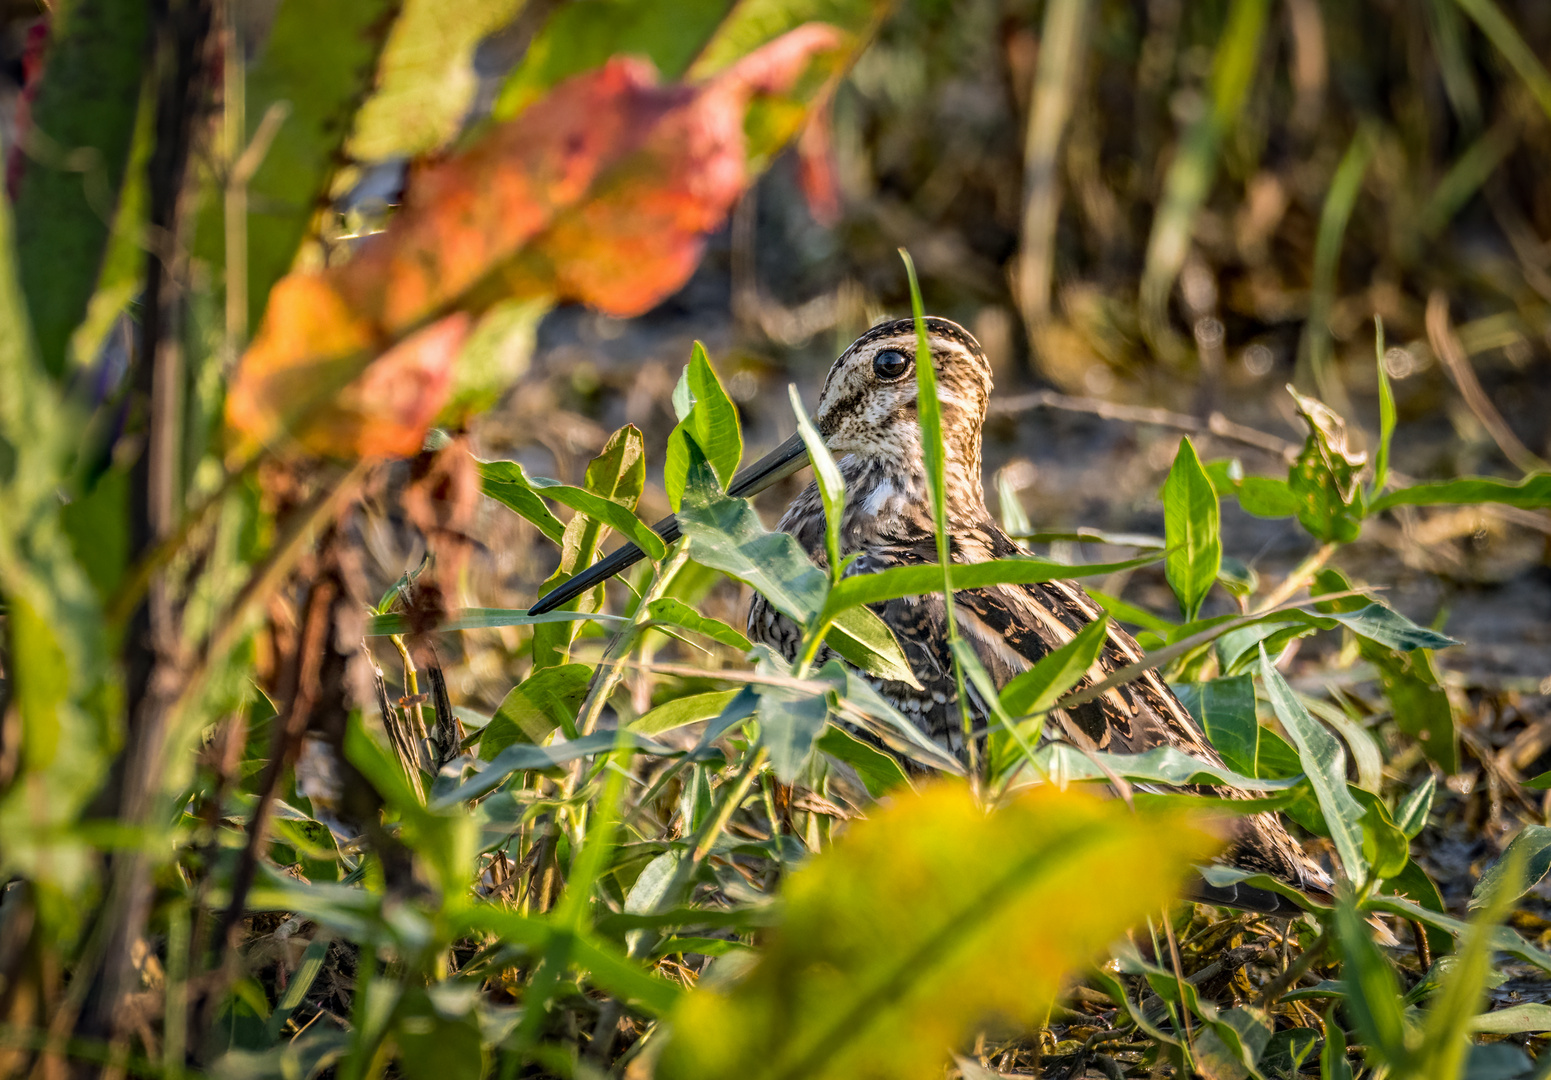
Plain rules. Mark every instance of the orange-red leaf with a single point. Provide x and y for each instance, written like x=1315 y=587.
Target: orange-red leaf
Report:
x=601 y=192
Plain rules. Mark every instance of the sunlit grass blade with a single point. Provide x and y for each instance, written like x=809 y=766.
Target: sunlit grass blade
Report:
x=832 y=486
x=929 y=415
x=1386 y=414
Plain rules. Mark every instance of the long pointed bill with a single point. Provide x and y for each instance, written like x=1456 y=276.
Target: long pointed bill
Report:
x=770 y=469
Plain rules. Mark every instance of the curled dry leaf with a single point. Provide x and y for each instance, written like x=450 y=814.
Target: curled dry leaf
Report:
x=602 y=192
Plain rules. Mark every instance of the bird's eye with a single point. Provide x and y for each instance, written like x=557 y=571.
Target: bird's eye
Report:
x=890 y=364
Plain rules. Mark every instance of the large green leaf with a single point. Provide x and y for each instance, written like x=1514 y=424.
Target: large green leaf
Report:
x=84 y=112
x=912 y=928
x=534 y=708
x=1372 y=992
x=605 y=511
x=789 y=723
x=679 y=711
x=727 y=535
x=1531 y=493
x=1528 y=857
x=505 y=482
x=1410 y=680
x=1266 y=496
x=1225 y=709
x=880 y=772
x=1190 y=530
x=712 y=421
x=677 y=613
x=1324 y=763
x=866 y=641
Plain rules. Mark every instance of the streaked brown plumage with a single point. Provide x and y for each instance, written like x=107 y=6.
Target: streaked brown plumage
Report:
x=867 y=415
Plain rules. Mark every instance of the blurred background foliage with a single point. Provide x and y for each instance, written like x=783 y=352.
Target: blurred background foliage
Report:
x=289 y=784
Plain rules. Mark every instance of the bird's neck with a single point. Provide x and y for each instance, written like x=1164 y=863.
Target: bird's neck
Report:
x=889 y=496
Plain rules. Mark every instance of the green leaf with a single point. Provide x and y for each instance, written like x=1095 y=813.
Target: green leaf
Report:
x=525 y=757
x=727 y=535
x=1037 y=689
x=1190 y=529
x=1160 y=765
x=1386 y=414
x=1502 y=938
x=910 y=929
x=534 y=708
x=1526 y=861
x=1531 y=493
x=1236 y=649
x=1388 y=627
x=677 y=613
x=1324 y=478
x=1513 y=1020
x=1411 y=814
x=1225 y=709
x=1410 y=680
x=880 y=772
x=681 y=711
x=1324 y=763
x=831 y=485
x=1384 y=845
x=1372 y=993
x=926 y=578
x=84 y=110
x=789 y=723
x=866 y=641
x=605 y=511
x=505 y=482
x=617 y=475
x=314 y=81
x=712 y=423
x=1266 y=497
x=1367 y=758
x=1333 y=1064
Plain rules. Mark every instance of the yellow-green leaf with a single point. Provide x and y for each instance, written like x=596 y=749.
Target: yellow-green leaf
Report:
x=925 y=920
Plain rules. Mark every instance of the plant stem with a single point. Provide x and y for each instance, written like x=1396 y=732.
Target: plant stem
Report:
x=1302 y=574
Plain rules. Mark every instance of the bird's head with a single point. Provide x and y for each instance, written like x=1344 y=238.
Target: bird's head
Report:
x=869 y=404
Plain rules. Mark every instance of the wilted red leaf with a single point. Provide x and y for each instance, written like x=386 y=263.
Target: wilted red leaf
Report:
x=601 y=192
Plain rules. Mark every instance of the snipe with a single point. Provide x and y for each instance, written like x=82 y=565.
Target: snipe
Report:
x=868 y=417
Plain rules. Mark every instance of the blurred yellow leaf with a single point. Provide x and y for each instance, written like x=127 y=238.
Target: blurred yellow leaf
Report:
x=927 y=919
